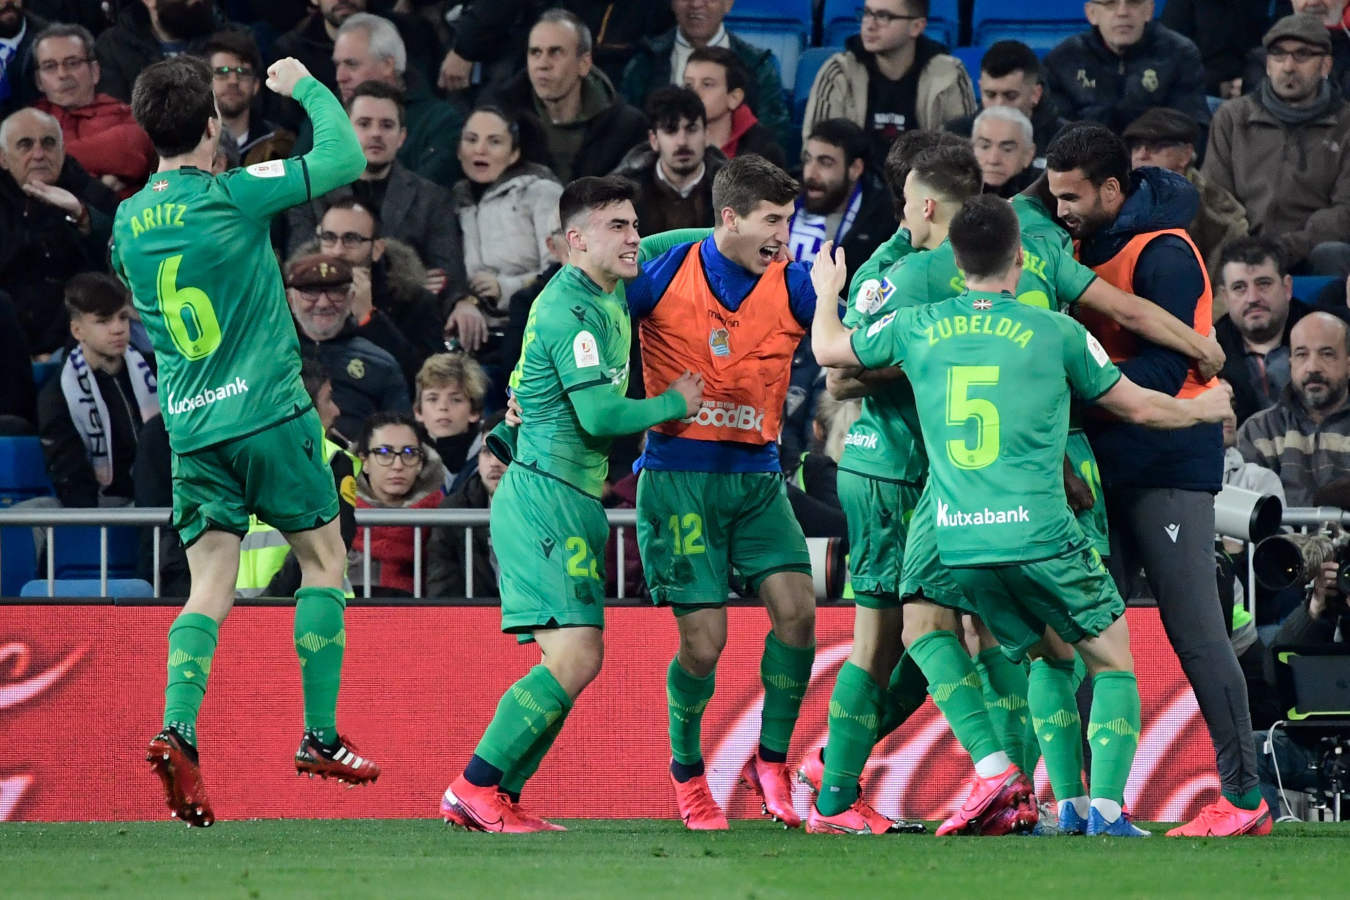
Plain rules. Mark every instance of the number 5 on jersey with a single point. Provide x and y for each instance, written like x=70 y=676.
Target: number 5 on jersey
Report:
x=188 y=314
x=961 y=408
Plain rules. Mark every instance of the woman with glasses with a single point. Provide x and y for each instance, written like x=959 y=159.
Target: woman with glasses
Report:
x=398 y=471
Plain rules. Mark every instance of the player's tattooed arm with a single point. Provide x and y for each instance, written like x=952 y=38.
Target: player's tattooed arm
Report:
x=851 y=382
x=831 y=342
x=1153 y=323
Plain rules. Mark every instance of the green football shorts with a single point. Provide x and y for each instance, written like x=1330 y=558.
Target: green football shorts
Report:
x=549 y=539
x=693 y=527
x=279 y=474
x=1092 y=521
x=1073 y=594
x=924 y=576
x=878 y=513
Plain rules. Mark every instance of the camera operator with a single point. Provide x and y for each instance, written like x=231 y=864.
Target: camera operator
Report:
x=1324 y=618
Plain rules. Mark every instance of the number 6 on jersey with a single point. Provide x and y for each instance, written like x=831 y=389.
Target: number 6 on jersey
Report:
x=188 y=314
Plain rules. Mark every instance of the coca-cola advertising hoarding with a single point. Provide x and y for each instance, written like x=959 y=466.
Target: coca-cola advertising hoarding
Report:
x=81 y=691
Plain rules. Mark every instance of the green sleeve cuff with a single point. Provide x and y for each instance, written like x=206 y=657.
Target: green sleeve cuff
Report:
x=501 y=441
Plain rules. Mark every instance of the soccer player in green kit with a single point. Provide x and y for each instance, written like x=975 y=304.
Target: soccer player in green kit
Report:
x=548 y=526
x=992 y=378
x=193 y=247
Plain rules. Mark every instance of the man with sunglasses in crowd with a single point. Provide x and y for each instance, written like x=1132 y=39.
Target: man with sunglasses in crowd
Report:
x=236 y=79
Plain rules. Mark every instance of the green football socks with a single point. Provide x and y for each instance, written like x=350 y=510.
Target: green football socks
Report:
x=513 y=779
x=1004 y=685
x=855 y=710
x=686 y=698
x=320 y=641
x=1113 y=732
x=905 y=693
x=526 y=714
x=1059 y=730
x=785 y=672
x=192 y=644
x=955 y=687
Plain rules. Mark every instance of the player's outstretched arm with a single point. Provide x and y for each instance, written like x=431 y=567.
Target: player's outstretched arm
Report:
x=1153 y=323
x=336 y=158
x=1153 y=409
x=830 y=340
x=604 y=413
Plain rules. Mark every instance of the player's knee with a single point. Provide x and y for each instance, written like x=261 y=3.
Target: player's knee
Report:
x=796 y=626
x=700 y=651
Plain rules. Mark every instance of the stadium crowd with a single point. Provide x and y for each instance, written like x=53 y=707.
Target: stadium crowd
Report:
x=411 y=287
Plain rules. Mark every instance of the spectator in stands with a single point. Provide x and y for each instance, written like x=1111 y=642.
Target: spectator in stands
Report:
x=366 y=378
x=890 y=78
x=18 y=28
x=148 y=31
x=411 y=208
x=90 y=414
x=55 y=221
x=1005 y=147
x=1335 y=17
x=1254 y=282
x=1279 y=150
x=398 y=471
x=1125 y=64
x=368 y=48
x=445 y=549
x=236 y=77
x=450 y=390
x=1010 y=75
x=98 y=130
x=505 y=204
x=1166 y=138
x=1224 y=31
x=719 y=79
x=587 y=126
x=674 y=169
x=1305 y=436
x=841 y=200
x=660 y=60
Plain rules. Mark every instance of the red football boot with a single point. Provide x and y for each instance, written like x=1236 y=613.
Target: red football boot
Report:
x=772 y=782
x=174 y=760
x=1003 y=803
x=697 y=806
x=340 y=761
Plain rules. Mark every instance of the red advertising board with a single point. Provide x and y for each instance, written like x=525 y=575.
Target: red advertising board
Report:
x=419 y=686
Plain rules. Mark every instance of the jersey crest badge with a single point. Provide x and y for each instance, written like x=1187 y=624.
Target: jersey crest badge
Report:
x=160 y=186
x=1150 y=80
x=719 y=339
x=273 y=168
x=879 y=324
x=584 y=350
x=357 y=369
x=1097 y=350
x=869 y=297
x=983 y=304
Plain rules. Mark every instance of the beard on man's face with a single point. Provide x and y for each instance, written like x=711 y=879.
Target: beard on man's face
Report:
x=11 y=19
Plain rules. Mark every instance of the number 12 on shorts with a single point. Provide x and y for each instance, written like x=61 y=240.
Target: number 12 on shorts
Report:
x=687 y=534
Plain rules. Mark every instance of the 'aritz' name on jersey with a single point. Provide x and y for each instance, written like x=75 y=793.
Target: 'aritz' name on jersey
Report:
x=946 y=516
x=161 y=215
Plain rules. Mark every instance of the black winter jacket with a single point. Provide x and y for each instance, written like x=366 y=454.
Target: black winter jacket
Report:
x=22 y=83
x=366 y=378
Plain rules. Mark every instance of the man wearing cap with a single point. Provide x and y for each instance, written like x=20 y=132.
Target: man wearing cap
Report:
x=366 y=379
x=1280 y=150
x=1166 y=138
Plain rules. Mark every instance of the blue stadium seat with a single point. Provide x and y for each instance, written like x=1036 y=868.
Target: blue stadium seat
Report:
x=43 y=371
x=18 y=559
x=783 y=26
x=785 y=43
x=970 y=58
x=1307 y=287
x=795 y=12
x=839 y=20
x=23 y=471
x=76 y=552
x=807 y=67
x=1039 y=25
x=88 y=587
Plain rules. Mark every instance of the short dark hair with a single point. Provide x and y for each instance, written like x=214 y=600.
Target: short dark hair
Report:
x=1005 y=57
x=844 y=134
x=62 y=30
x=952 y=171
x=172 y=100
x=1094 y=149
x=737 y=76
x=746 y=181
x=559 y=16
x=670 y=105
x=351 y=202
x=527 y=135
x=380 y=91
x=238 y=43
x=314 y=374
x=916 y=7
x=1252 y=251
x=380 y=419
x=984 y=235
x=594 y=192
x=94 y=294
x=900 y=159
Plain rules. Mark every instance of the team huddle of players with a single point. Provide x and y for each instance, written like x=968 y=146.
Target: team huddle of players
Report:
x=956 y=481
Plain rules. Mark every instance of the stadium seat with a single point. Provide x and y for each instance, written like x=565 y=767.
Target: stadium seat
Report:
x=970 y=58
x=785 y=43
x=839 y=20
x=23 y=471
x=1039 y=25
x=43 y=371
x=807 y=67
x=88 y=587
x=76 y=553
x=783 y=26
x=18 y=559
x=1307 y=287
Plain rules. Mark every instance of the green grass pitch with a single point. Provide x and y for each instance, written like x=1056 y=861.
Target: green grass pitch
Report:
x=644 y=858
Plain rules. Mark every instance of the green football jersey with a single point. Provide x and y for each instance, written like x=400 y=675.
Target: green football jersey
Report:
x=576 y=336
x=993 y=377
x=883 y=442
x=195 y=250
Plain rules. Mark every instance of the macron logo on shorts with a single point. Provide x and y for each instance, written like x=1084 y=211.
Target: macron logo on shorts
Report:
x=947 y=517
